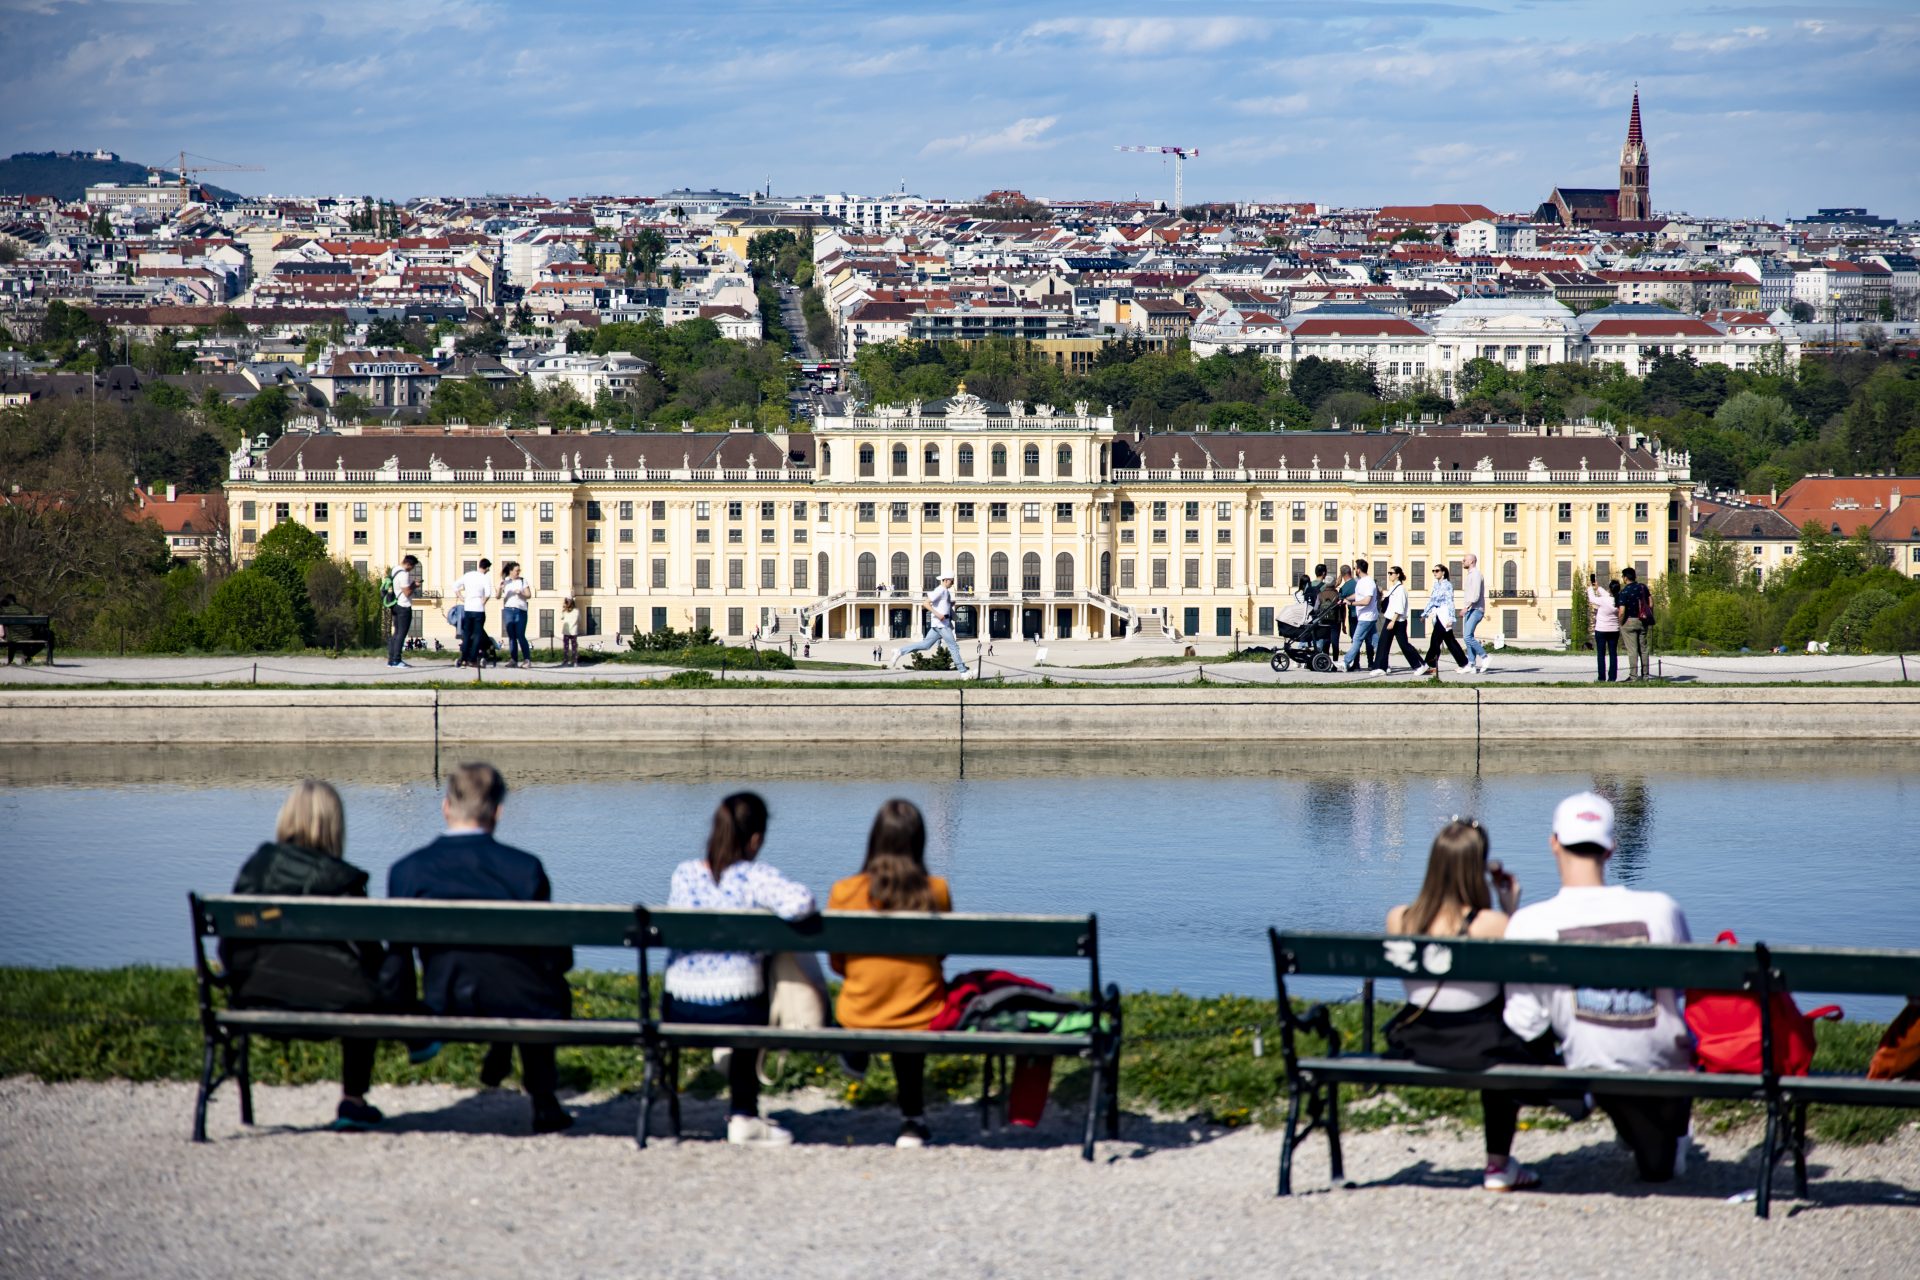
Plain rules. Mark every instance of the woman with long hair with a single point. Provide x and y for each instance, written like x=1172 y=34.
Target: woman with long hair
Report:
x=729 y=988
x=896 y=993
x=1442 y=618
x=1460 y=1025
x=1393 y=626
x=514 y=594
x=305 y=859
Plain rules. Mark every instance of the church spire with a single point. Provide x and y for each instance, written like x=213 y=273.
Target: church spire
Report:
x=1633 y=125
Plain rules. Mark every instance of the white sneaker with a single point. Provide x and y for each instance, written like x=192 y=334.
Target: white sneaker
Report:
x=1510 y=1176
x=893 y=661
x=1482 y=667
x=752 y=1131
x=1681 y=1146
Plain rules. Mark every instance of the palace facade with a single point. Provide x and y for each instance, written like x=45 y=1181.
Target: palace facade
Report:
x=1054 y=524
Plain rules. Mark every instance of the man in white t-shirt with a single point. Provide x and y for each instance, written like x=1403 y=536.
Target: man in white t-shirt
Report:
x=1366 y=616
x=939 y=627
x=1609 y=1030
x=400 y=612
x=473 y=590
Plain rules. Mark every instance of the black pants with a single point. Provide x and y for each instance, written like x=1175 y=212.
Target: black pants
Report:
x=402 y=616
x=471 y=625
x=539 y=1075
x=1606 y=654
x=909 y=1074
x=743 y=1068
x=1444 y=635
x=356 y=1066
x=1651 y=1128
x=1383 y=648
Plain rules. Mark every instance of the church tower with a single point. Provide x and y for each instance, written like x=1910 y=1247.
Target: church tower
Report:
x=1635 y=202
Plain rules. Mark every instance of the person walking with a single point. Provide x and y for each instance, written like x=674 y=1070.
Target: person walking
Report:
x=1344 y=620
x=474 y=590
x=1441 y=618
x=399 y=597
x=729 y=988
x=1471 y=602
x=569 y=633
x=1636 y=624
x=489 y=982
x=939 y=627
x=1606 y=629
x=514 y=594
x=1393 y=627
x=1366 y=617
x=893 y=993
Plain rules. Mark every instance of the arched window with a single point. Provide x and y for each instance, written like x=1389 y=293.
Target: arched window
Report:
x=898 y=576
x=966 y=459
x=826 y=456
x=866 y=460
x=963 y=575
x=1510 y=577
x=932 y=467
x=822 y=585
x=869 y=572
x=1063 y=461
x=1031 y=457
x=1030 y=572
x=999 y=460
x=930 y=571
x=1106 y=573
x=1062 y=574
x=899 y=460
x=997 y=568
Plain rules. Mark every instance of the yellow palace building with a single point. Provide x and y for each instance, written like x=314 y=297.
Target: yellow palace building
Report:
x=1053 y=524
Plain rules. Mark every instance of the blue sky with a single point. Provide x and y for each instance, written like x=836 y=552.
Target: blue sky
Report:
x=1753 y=108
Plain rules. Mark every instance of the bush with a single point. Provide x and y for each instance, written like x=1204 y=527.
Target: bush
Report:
x=667 y=640
x=935 y=659
x=1716 y=620
x=1849 y=630
x=1896 y=630
x=251 y=611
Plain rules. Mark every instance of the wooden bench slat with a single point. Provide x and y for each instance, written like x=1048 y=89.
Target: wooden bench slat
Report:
x=851 y=1039
x=410 y=920
x=1580 y=964
x=1851 y=1091
x=1558 y=1080
x=382 y=1026
x=871 y=933
x=1853 y=970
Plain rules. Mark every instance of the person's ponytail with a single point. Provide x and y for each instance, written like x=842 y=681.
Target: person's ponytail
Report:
x=896 y=865
x=737 y=822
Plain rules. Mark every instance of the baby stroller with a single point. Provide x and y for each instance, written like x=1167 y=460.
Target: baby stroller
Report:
x=1306 y=636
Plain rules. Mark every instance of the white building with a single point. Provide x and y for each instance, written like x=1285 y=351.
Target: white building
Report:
x=1482 y=239
x=587 y=376
x=1515 y=333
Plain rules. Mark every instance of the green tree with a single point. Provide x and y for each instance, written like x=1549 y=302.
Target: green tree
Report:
x=1765 y=420
x=1849 y=631
x=1714 y=619
x=251 y=612
x=1896 y=630
x=1714 y=561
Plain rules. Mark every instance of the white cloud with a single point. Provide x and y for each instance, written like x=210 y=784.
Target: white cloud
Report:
x=1024 y=134
x=1142 y=37
x=1290 y=104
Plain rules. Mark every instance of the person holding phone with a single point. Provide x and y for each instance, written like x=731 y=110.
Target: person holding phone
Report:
x=1606 y=630
x=1460 y=1025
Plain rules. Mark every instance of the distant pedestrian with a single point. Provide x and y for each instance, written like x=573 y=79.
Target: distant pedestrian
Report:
x=399 y=600
x=474 y=590
x=1344 y=619
x=939 y=627
x=569 y=633
x=514 y=594
x=1606 y=630
x=1470 y=599
x=1441 y=619
x=1636 y=624
x=1366 y=617
x=1393 y=626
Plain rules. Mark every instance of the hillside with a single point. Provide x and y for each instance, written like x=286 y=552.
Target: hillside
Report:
x=66 y=175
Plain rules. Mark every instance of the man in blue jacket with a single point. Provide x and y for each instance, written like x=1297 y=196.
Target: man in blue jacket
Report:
x=490 y=982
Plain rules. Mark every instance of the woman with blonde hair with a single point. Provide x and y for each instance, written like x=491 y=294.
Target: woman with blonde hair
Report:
x=1460 y=1025
x=304 y=859
x=894 y=993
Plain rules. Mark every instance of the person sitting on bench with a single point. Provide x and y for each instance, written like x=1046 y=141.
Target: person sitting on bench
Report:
x=489 y=982
x=304 y=859
x=1609 y=1030
x=729 y=988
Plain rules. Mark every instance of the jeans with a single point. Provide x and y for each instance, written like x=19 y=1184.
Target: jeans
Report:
x=743 y=1068
x=471 y=624
x=1606 y=655
x=1633 y=633
x=1364 y=634
x=402 y=616
x=1475 y=650
x=514 y=623
x=938 y=633
x=569 y=651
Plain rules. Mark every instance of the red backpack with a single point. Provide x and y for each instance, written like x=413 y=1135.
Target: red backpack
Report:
x=1726 y=1029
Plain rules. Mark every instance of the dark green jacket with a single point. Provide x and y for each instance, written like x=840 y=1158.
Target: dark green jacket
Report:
x=331 y=977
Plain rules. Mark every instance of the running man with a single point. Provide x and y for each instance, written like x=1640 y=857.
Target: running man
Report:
x=939 y=627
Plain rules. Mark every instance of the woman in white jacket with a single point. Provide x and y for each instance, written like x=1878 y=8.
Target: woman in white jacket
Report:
x=1393 y=625
x=1441 y=621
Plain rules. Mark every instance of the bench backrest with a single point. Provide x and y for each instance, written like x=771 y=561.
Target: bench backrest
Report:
x=1847 y=970
x=417 y=921
x=1580 y=964
x=900 y=933
x=25 y=621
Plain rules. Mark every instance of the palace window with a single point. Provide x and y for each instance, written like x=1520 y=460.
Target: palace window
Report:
x=1063 y=513
x=966 y=459
x=1030 y=460
x=1030 y=512
x=899 y=460
x=866 y=460
x=997 y=512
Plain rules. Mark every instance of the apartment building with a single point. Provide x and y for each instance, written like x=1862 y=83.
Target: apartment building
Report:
x=1053 y=524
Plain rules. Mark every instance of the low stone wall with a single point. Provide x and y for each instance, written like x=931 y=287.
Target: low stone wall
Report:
x=877 y=719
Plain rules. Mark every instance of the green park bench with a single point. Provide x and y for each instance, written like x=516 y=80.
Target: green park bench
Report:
x=897 y=934
x=227 y=1032
x=1313 y=1082
x=27 y=633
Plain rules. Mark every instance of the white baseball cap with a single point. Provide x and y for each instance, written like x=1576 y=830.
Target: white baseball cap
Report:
x=1584 y=819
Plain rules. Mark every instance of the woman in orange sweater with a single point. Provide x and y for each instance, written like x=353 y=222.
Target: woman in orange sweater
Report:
x=896 y=993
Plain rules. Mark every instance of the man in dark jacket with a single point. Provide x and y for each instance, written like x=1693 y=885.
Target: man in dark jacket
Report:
x=491 y=982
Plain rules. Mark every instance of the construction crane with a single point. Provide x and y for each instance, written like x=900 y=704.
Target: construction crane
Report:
x=211 y=166
x=1180 y=157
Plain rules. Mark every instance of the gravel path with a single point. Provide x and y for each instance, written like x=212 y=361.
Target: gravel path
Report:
x=99 y=1180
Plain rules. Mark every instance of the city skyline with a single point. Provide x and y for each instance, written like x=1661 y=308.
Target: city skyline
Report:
x=1356 y=104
